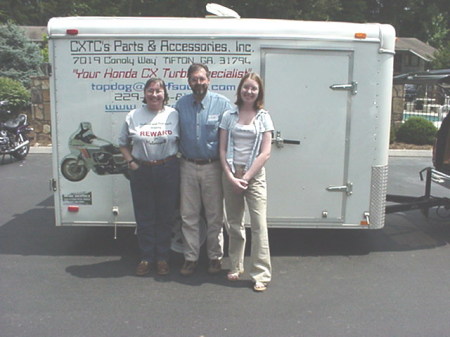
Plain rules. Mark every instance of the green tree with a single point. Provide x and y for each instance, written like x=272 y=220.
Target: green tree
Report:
x=353 y=11
x=427 y=20
x=19 y=58
x=437 y=30
x=442 y=58
x=320 y=10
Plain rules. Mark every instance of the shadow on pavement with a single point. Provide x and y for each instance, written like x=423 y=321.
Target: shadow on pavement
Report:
x=7 y=159
x=34 y=233
x=402 y=232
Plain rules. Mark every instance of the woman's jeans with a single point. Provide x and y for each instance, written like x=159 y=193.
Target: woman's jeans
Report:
x=155 y=193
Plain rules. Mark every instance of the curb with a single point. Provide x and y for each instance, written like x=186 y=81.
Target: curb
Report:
x=392 y=153
x=410 y=153
x=40 y=149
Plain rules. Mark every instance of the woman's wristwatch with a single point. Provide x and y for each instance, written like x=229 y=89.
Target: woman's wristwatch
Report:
x=132 y=161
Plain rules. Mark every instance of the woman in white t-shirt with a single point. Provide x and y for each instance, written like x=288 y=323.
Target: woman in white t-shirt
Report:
x=245 y=144
x=149 y=142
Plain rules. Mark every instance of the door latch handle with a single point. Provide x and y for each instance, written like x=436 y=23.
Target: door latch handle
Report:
x=279 y=141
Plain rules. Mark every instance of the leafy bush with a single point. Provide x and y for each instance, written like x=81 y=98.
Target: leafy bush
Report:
x=44 y=49
x=15 y=93
x=417 y=130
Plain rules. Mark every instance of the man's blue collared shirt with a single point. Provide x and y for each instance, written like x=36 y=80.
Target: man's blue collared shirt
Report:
x=199 y=125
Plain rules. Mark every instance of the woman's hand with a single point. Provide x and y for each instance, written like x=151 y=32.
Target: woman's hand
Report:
x=133 y=166
x=238 y=185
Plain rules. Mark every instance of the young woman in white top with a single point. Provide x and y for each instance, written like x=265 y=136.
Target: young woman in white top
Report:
x=245 y=144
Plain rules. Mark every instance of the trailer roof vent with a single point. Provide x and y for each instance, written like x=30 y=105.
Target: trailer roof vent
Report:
x=72 y=31
x=221 y=11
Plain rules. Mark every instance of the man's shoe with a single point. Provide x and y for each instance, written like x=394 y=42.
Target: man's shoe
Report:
x=162 y=268
x=215 y=266
x=188 y=268
x=143 y=268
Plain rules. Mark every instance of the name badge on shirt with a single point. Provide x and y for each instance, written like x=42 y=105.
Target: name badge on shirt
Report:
x=213 y=119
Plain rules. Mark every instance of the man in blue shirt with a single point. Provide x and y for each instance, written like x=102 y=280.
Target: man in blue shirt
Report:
x=201 y=174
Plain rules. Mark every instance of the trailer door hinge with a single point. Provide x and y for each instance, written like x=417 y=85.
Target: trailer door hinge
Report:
x=347 y=188
x=52 y=185
x=353 y=87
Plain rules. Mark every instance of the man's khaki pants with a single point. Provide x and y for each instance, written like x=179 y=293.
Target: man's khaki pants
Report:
x=201 y=185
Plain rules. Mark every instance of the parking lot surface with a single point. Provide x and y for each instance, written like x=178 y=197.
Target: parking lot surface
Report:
x=75 y=281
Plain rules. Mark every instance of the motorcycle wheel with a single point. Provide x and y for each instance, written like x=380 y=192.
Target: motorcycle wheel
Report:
x=23 y=151
x=72 y=171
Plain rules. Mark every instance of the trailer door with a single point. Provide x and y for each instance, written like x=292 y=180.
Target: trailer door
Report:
x=308 y=94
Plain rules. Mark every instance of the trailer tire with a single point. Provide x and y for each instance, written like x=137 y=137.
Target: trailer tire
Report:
x=72 y=171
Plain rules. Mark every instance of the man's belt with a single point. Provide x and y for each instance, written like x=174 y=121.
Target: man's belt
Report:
x=201 y=161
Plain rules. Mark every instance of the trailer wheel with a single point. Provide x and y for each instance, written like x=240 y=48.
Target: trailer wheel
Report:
x=72 y=170
x=177 y=244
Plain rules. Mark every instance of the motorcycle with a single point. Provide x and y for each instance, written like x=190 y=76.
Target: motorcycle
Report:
x=88 y=152
x=13 y=133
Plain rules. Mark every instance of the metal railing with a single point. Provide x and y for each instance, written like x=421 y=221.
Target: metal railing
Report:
x=427 y=101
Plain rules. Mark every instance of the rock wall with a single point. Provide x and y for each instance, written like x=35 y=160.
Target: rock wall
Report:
x=398 y=102
x=40 y=111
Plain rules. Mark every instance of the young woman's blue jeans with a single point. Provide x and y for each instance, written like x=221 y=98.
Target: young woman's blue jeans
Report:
x=155 y=193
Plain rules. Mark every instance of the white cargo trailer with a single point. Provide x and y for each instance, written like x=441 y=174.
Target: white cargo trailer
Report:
x=328 y=89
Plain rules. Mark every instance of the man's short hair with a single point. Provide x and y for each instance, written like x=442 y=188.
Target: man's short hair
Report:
x=197 y=66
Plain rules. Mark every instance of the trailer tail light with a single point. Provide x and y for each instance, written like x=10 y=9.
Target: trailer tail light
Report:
x=72 y=31
x=73 y=209
x=360 y=35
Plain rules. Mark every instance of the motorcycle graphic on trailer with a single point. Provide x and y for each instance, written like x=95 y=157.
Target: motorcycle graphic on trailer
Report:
x=89 y=152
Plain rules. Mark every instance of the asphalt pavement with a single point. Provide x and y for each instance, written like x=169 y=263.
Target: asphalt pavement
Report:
x=75 y=281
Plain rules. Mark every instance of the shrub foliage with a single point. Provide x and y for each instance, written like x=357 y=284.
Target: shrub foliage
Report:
x=417 y=130
x=15 y=93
